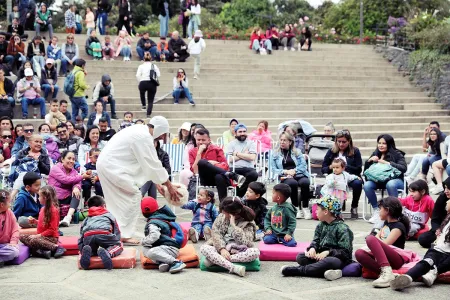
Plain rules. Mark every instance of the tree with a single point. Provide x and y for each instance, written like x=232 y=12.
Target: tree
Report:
x=243 y=14
x=289 y=11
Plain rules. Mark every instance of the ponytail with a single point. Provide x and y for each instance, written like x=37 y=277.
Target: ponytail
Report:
x=405 y=220
x=247 y=213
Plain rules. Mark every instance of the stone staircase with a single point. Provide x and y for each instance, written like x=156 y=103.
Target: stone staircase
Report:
x=350 y=85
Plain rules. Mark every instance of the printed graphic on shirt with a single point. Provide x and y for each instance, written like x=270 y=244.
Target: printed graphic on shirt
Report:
x=416 y=216
x=384 y=233
x=277 y=219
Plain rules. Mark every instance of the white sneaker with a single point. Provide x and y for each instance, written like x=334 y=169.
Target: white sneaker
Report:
x=307 y=213
x=193 y=235
x=292 y=49
x=430 y=277
x=332 y=274
x=437 y=189
x=195 y=76
x=285 y=48
x=375 y=216
x=386 y=276
x=111 y=59
x=65 y=222
x=124 y=59
x=207 y=234
x=400 y=282
x=300 y=214
x=238 y=270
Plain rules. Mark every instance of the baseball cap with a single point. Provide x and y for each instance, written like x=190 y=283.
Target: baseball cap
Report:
x=28 y=72
x=149 y=205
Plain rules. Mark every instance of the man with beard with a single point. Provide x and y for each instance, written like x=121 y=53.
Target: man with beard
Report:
x=244 y=153
x=106 y=133
x=67 y=142
x=209 y=162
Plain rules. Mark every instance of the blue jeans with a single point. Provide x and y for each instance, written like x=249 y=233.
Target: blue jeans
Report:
x=163 y=25
x=78 y=28
x=102 y=19
x=392 y=187
x=192 y=25
x=274 y=239
x=428 y=161
x=11 y=101
x=182 y=93
x=200 y=227
x=89 y=30
x=158 y=54
x=40 y=60
x=64 y=64
x=47 y=88
x=125 y=52
x=77 y=104
x=153 y=50
x=37 y=101
x=267 y=44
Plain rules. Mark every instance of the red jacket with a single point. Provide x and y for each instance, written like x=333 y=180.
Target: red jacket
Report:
x=269 y=33
x=211 y=153
x=51 y=229
x=256 y=37
x=289 y=34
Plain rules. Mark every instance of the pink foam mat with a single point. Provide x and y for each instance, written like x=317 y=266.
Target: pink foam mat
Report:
x=278 y=252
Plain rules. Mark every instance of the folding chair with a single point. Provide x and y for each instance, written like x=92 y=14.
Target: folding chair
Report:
x=175 y=152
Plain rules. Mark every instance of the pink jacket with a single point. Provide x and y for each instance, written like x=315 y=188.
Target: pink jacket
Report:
x=62 y=182
x=9 y=232
x=265 y=137
x=120 y=42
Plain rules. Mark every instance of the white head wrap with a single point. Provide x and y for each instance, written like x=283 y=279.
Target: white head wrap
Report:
x=160 y=125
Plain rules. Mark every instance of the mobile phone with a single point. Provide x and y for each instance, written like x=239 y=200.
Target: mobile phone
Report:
x=31 y=84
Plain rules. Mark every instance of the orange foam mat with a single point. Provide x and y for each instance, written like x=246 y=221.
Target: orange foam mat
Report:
x=126 y=260
x=188 y=255
x=27 y=230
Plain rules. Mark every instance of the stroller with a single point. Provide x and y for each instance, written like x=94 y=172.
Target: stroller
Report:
x=317 y=148
x=302 y=131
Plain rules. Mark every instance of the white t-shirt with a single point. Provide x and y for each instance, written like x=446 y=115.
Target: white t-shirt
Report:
x=97 y=118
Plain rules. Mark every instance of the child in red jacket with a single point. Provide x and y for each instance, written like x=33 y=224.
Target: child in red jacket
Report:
x=418 y=207
x=258 y=42
x=45 y=242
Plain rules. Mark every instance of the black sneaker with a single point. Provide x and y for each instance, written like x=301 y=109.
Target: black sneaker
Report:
x=144 y=107
x=354 y=213
x=44 y=254
x=106 y=258
x=24 y=117
x=290 y=271
x=86 y=254
x=114 y=117
x=59 y=252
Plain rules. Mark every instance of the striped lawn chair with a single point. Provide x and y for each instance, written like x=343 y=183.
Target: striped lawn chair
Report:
x=175 y=152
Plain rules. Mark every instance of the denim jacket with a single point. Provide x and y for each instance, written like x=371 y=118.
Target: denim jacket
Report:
x=276 y=163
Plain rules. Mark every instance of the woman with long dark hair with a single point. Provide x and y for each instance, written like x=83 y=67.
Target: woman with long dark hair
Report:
x=186 y=173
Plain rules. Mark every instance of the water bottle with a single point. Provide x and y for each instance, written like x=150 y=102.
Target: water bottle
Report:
x=35 y=113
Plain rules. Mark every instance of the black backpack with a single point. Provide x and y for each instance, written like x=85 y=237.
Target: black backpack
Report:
x=5 y=109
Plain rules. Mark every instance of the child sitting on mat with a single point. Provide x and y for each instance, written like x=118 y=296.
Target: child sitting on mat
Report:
x=254 y=199
x=9 y=230
x=280 y=221
x=100 y=235
x=26 y=207
x=205 y=212
x=158 y=244
x=331 y=248
x=45 y=242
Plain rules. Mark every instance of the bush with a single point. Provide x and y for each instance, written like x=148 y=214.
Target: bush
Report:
x=428 y=63
x=436 y=38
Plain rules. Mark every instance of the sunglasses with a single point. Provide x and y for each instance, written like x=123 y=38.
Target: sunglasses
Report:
x=7 y=136
x=28 y=130
x=62 y=131
x=70 y=38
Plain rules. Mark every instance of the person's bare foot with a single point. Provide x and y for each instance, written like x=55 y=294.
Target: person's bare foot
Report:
x=130 y=241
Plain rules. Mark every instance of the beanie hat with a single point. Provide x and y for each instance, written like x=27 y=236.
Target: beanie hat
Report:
x=149 y=205
x=239 y=126
x=330 y=203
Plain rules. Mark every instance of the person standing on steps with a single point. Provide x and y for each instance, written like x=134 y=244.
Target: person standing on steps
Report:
x=70 y=19
x=80 y=86
x=164 y=17
x=195 y=48
x=103 y=8
x=124 y=7
x=147 y=83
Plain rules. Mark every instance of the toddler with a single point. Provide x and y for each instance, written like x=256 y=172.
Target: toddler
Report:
x=45 y=242
x=205 y=212
x=253 y=199
x=280 y=221
x=9 y=230
x=91 y=169
x=107 y=49
x=127 y=120
x=100 y=235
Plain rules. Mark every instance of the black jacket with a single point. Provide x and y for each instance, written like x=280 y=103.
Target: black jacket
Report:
x=9 y=87
x=354 y=163
x=19 y=29
x=103 y=6
x=158 y=8
x=107 y=135
x=142 y=41
x=4 y=48
x=396 y=159
x=259 y=206
x=439 y=212
x=45 y=76
x=30 y=52
x=175 y=45
x=124 y=10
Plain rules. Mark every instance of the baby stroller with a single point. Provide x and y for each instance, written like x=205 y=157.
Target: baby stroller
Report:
x=302 y=131
x=317 y=148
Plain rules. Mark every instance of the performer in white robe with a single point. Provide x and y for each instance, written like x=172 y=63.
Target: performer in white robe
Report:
x=127 y=162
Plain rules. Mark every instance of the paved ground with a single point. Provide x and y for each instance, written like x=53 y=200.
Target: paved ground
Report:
x=61 y=279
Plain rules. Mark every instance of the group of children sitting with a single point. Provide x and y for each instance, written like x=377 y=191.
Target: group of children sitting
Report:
x=230 y=234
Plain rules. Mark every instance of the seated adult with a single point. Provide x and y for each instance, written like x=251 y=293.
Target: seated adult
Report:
x=54 y=116
x=6 y=144
x=177 y=48
x=50 y=142
x=33 y=158
x=92 y=140
x=93 y=47
x=427 y=239
x=145 y=44
x=54 y=52
x=122 y=44
x=3 y=49
x=186 y=174
x=44 y=20
x=66 y=141
x=229 y=135
x=181 y=87
x=243 y=151
x=288 y=38
x=290 y=167
x=67 y=183
x=16 y=29
x=162 y=50
x=263 y=135
x=98 y=114
x=27 y=65
x=274 y=36
x=26 y=205
x=36 y=52
x=106 y=133
x=69 y=54
x=63 y=108
x=209 y=162
x=183 y=134
x=258 y=41
x=29 y=90
x=305 y=39
x=16 y=52
x=49 y=79
x=343 y=147
x=7 y=91
x=104 y=91
x=434 y=154
x=386 y=153
x=22 y=141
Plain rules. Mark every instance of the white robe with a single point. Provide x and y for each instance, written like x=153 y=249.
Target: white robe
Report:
x=127 y=162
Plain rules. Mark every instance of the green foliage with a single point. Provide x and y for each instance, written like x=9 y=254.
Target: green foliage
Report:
x=289 y=11
x=243 y=14
x=428 y=63
x=436 y=38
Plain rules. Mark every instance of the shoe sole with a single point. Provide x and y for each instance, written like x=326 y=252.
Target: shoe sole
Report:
x=164 y=268
x=240 y=181
x=382 y=284
x=177 y=270
x=85 y=260
x=207 y=234
x=400 y=283
x=106 y=259
x=63 y=224
x=193 y=235
x=333 y=275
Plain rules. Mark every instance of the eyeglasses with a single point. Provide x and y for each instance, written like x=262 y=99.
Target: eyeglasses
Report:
x=70 y=38
x=28 y=130
x=62 y=131
x=7 y=136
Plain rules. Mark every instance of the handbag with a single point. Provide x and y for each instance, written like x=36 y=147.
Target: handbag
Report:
x=153 y=76
x=380 y=173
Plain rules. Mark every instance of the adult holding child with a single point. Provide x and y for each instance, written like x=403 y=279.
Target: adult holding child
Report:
x=91 y=141
x=127 y=162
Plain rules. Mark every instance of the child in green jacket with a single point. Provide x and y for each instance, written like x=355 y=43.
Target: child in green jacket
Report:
x=331 y=248
x=280 y=221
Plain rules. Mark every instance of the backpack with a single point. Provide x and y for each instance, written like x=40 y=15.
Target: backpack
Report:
x=69 y=84
x=5 y=109
x=179 y=234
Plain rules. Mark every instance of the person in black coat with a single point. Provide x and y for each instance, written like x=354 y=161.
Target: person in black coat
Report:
x=177 y=48
x=343 y=146
x=124 y=7
x=306 y=37
x=149 y=187
x=185 y=4
x=17 y=29
x=437 y=217
x=36 y=45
